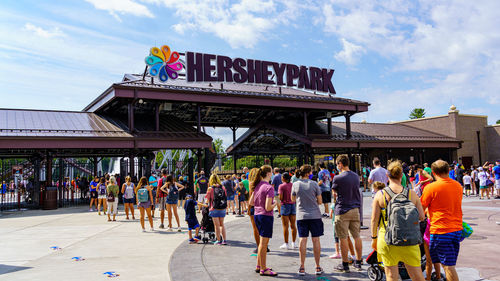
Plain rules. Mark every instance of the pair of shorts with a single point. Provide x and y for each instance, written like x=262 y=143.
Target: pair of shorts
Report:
x=483 y=187
x=217 y=213
x=182 y=194
x=313 y=226
x=230 y=198
x=288 y=209
x=172 y=201
x=444 y=248
x=348 y=222
x=326 y=196
x=265 y=225
x=161 y=202
x=201 y=197
x=102 y=196
x=242 y=198
x=128 y=200
x=93 y=194
x=467 y=187
x=145 y=205
x=193 y=224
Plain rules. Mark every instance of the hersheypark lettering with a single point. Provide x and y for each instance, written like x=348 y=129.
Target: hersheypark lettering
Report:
x=213 y=68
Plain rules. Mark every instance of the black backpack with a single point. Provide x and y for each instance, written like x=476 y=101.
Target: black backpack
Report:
x=220 y=199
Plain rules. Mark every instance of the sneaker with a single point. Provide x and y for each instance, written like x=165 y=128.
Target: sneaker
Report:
x=179 y=229
x=256 y=251
x=357 y=266
x=152 y=229
x=170 y=229
x=319 y=270
x=234 y=213
x=336 y=256
x=301 y=272
x=224 y=242
x=197 y=237
x=284 y=246
x=341 y=268
x=192 y=241
x=143 y=230
x=293 y=245
x=217 y=242
x=162 y=226
x=90 y=210
x=325 y=215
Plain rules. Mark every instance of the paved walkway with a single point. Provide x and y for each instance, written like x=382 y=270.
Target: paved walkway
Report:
x=26 y=238
x=236 y=262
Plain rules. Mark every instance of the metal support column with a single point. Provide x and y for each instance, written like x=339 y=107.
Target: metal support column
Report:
x=141 y=166
x=131 y=116
x=94 y=161
x=61 y=183
x=305 y=123
x=131 y=164
x=157 y=117
x=198 y=118
x=198 y=155
x=235 y=159
x=48 y=176
x=478 y=133
x=329 y=124
x=348 y=133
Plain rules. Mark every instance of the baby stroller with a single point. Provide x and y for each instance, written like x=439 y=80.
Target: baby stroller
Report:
x=207 y=226
x=376 y=269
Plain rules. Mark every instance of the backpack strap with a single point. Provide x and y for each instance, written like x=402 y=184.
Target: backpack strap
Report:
x=407 y=193
x=390 y=192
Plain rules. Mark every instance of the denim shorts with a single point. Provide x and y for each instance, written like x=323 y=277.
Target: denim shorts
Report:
x=172 y=201
x=193 y=224
x=230 y=198
x=288 y=209
x=128 y=200
x=264 y=225
x=314 y=226
x=217 y=213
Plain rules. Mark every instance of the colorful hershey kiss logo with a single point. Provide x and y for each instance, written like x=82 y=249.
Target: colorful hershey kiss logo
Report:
x=164 y=63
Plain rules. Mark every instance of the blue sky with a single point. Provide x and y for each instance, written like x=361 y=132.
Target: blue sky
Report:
x=395 y=54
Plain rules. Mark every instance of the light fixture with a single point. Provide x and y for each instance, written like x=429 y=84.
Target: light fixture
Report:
x=141 y=101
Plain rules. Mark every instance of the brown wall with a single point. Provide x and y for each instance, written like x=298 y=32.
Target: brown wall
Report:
x=493 y=136
x=467 y=127
x=462 y=127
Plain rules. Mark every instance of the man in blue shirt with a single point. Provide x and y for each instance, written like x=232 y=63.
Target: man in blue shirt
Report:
x=276 y=182
x=496 y=172
x=324 y=181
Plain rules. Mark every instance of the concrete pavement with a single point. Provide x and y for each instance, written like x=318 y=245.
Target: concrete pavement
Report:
x=26 y=238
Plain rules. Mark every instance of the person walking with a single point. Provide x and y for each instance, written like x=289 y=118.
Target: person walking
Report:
x=229 y=186
x=93 y=193
x=153 y=182
x=324 y=181
x=161 y=197
x=262 y=198
x=347 y=216
x=112 y=191
x=496 y=173
x=128 y=191
x=252 y=183
x=475 y=179
x=390 y=254
x=144 y=195
x=288 y=211
x=483 y=179
x=443 y=201
x=276 y=182
x=377 y=174
x=307 y=194
x=217 y=200
x=101 y=189
x=172 y=189
x=202 y=187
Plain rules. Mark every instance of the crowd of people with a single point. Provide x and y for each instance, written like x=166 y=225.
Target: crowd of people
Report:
x=413 y=206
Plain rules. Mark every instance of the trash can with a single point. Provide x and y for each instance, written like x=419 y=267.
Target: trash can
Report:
x=50 y=198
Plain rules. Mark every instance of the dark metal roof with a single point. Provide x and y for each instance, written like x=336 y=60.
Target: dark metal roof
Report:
x=234 y=89
x=380 y=132
x=45 y=123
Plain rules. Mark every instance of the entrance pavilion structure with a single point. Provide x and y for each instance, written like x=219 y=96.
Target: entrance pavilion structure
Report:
x=140 y=115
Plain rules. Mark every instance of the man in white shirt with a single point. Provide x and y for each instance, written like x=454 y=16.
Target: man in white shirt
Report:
x=377 y=174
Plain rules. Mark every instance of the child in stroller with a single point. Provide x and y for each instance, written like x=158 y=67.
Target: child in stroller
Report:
x=207 y=226
x=376 y=268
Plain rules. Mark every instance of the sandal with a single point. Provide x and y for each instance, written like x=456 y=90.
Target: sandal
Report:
x=302 y=271
x=257 y=269
x=268 y=272
x=319 y=270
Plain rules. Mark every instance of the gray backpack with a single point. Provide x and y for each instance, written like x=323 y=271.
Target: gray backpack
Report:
x=403 y=227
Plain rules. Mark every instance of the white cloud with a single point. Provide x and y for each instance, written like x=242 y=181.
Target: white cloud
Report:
x=350 y=53
x=115 y=7
x=242 y=24
x=55 y=32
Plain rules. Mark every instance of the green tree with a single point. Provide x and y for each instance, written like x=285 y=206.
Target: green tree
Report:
x=219 y=147
x=417 y=113
x=498 y=121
